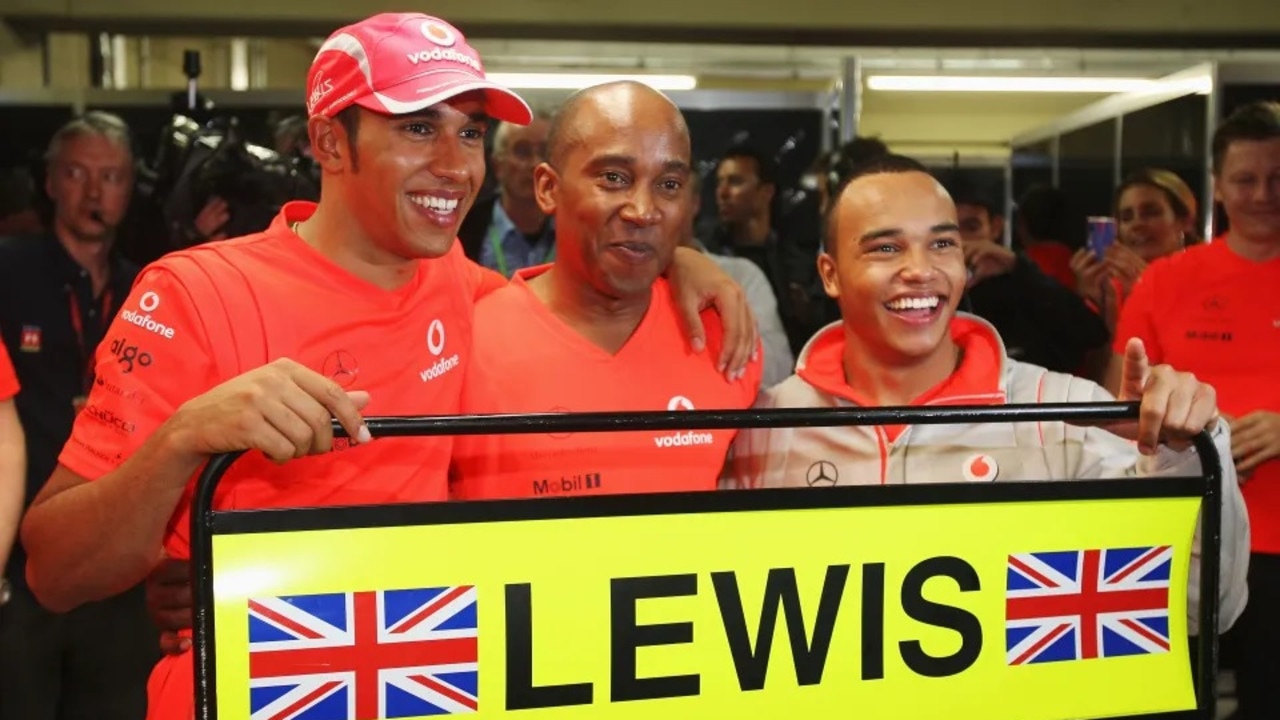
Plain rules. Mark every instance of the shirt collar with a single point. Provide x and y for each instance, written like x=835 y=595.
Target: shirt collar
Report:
x=69 y=271
x=977 y=381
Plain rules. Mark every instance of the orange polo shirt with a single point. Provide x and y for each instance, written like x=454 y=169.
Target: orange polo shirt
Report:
x=199 y=317
x=1208 y=311
x=527 y=360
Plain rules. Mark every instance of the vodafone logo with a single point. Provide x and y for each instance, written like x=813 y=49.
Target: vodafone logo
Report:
x=684 y=439
x=435 y=344
x=438 y=33
x=679 y=402
x=435 y=337
x=142 y=317
x=980 y=468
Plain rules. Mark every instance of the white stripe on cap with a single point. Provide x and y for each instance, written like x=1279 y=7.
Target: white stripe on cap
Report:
x=351 y=46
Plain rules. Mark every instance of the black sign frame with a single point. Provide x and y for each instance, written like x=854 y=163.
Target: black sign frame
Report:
x=207 y=522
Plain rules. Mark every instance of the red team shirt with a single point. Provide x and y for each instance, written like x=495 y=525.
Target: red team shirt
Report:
x=1211 y=312
x=526 y=360
x=199 y=317
x=8 y=379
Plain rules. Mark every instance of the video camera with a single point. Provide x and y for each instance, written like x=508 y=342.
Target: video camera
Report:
x=201 y=156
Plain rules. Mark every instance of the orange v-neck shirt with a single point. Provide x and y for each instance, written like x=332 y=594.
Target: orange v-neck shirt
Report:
x=526 y=360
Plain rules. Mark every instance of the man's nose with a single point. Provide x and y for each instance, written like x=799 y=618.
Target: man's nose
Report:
x=450 y=161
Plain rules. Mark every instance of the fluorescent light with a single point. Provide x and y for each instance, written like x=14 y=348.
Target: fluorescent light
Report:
x=577 y=81
x=956 y=83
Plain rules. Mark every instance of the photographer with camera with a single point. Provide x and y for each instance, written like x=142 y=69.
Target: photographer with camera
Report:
x=205 y=181
x=58 y=293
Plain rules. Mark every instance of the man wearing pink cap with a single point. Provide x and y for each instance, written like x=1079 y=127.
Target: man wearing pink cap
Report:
x=360 y=304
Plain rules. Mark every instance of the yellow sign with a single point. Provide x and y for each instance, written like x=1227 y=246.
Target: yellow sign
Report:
x=1012 y=610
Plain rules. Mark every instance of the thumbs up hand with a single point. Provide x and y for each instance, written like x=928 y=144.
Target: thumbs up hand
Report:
x=1175 y=406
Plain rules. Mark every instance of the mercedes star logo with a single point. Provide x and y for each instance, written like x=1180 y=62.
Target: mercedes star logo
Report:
x=822 y=473
x=340 y=366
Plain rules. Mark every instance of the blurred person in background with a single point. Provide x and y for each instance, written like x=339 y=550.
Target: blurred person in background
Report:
x=1155 y=215
x=507 y=231
x=18 y=212
x=1041 y=321
x=58 y=293
x=746 y=186
x=778 y=359
x=1048 y=229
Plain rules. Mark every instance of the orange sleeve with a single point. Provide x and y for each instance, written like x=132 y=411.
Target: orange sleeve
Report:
x=8 y=378
x=154 y=357
x=1137 y=316
x=481 y=279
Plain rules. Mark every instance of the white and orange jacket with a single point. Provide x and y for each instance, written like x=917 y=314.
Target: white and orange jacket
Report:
x=895 y=455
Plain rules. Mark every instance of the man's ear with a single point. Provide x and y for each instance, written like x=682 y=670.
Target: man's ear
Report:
x=546 y=186
x=997 y=229
x=827 y=271
x=330 y=145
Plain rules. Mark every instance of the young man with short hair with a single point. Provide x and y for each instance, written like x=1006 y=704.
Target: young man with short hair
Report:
x=362 y=303
x=895 y=265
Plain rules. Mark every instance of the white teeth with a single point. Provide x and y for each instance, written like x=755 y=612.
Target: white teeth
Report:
x=914 y=303
x=434 y=203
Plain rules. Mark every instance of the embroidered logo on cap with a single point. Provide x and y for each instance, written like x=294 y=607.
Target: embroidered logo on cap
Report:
x=980 y=468
x=438 y=34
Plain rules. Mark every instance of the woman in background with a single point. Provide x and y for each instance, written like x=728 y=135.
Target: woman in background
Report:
x=1155 y=216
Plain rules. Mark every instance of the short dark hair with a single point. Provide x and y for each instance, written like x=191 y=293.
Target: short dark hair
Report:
x=766 y=168
x=349 y=119
x=837 y=165
x=1253 y=122
x=887 y=164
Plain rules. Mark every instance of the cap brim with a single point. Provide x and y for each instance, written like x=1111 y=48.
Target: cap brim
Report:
x=436 y=87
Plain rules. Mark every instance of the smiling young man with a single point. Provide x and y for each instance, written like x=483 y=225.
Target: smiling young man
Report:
x=362 y=302
x=596 y=329
x=894 y=262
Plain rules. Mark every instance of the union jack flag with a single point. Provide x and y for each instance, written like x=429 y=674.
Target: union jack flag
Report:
x=1084 y=604
x=363 y=655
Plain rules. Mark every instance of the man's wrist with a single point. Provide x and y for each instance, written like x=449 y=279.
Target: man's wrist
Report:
x=171 y=447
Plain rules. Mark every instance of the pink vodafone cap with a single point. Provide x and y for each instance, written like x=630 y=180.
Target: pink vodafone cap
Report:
x=398 y=63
